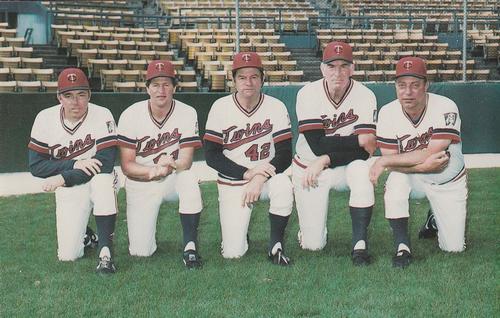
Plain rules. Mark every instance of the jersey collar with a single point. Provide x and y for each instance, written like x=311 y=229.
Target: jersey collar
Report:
x=254 y=109
x=346 y=93
x=161 y=123
x=419 y=120
x=71 y=130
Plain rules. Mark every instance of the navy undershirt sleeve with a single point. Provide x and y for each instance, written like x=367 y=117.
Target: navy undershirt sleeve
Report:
x=283 y=155
x=225 y=166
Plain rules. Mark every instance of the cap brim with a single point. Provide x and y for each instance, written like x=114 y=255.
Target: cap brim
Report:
x=336 y=59
x=412 y=75
x=239 y=68
x=160 y=75
x=75 y=88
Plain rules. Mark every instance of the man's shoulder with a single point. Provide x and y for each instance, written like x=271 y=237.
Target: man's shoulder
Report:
x=441 y=101
x=390 y=107
x=275 y=102
x=50 y=113
x=311 y=87
x=183 y=107
x=223 y=101
x=135 y=107
x=362 y=88
x=96 y=109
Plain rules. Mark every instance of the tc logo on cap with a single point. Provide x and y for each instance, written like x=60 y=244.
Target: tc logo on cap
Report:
x=407 y=65
x=246 y=57
x=71 y=77
x=338 y=49
x=160 y=66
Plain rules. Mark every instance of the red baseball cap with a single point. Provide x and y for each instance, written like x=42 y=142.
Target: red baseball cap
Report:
x=411 y=66
x=159 y=68
x=247 y=59
x=72 y=79
x=337 y=51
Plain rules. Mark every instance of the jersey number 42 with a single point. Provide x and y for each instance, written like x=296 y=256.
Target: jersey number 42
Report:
x=253 y=151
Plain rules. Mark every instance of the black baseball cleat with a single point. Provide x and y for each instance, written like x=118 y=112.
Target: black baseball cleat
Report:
x=361 y=257
x=192 y=260
x=429 y=229
x=105 y=266
x=402 y=259
x=90 y=239
x=279 y=258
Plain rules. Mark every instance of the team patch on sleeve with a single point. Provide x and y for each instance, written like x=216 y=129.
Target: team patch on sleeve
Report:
x=364 y=129
x=387 y=143
x=38 y=146
x=110 y=125
x=213 y=136
x=310 y=124
x=450 y=119
x=106 y=142
x=126 y=142
x=282 y=135
x=446 y=133
x=194 y=142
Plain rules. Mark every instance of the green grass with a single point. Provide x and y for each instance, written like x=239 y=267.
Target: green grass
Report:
x=320 y=284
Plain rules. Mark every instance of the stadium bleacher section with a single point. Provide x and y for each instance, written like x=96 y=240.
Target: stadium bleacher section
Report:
x=113 y=43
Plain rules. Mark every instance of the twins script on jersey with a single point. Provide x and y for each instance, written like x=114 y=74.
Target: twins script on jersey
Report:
x=138 y=129
x=53 y=135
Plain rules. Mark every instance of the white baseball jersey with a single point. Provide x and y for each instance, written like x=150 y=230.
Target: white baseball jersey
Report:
x=355 y=113
x=54 y=136
x=440 y=120
x=248 y=138
x=138 y=129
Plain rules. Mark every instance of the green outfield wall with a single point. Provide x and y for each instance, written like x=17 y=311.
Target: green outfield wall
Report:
x=479 y=105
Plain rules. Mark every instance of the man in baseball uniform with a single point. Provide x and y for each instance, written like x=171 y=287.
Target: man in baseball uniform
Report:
x=73 y=146
x=419 y=137
x=336 y=117
x=248 y=142
x=157 y=139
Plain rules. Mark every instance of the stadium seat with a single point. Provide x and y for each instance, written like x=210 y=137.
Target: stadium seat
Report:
x=108 y=77
x=275 y=76
x=446 y=75
x=137 y=64
x=119 y=87
x=83 y=55
x=7 y=51
x=8 y=86
x=29 y=86
x=294 y=76
x=23 y=51
x=359 y=75
x=217 y=81
x=4 y=74
x=21 y=74
x=187 y=76
x=43 y=74
x=11 y=62
x=187 y=87
x=95 y=66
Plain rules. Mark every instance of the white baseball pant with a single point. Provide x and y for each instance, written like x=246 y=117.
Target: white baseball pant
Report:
x=73 y=206
x=143 y=204
x=312 y=203
x=448 y=203
x=235 y=218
